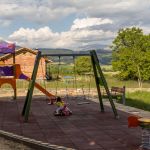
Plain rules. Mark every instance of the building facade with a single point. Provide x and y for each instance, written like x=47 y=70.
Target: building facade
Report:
x=26 y=58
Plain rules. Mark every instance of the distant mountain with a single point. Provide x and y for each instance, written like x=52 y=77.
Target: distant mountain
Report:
x=55 y=51
x=105 y=56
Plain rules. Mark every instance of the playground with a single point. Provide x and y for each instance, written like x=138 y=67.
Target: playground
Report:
x=95 y=123
x=86 y=129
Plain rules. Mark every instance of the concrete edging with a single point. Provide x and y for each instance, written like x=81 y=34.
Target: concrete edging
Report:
x=38 y=145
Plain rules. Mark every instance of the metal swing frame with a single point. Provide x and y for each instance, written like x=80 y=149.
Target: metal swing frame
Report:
x=58 y=73
x=74 y=81
x=98 y=74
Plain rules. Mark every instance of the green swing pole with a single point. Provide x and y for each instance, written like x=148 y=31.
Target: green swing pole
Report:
x=27 y=104
x=96 y=62
x=75 y=75
x=97 y=83
x=14 y=72
x=58 y=72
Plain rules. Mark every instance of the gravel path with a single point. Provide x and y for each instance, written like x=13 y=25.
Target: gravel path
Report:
x=10 y=145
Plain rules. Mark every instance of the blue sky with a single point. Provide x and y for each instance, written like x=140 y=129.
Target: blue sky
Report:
x=72 y=24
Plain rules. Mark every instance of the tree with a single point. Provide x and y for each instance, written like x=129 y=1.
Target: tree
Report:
x=83 y=64
x=131 y=54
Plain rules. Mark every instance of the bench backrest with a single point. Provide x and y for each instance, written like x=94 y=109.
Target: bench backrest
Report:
x=118 y=89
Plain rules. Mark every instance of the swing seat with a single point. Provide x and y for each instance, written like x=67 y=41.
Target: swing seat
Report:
x=63 y=112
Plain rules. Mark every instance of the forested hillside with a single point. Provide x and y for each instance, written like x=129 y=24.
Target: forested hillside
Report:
x=105 y=56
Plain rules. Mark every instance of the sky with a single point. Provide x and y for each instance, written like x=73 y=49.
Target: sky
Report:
x=70 y=24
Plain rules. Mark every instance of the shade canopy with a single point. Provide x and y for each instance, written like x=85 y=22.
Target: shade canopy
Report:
x=6 y=47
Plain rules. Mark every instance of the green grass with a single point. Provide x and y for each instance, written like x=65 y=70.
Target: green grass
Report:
x=139 y=99
x=113 y=81
x=83 y=80
x=80 y=82
x=68 y=70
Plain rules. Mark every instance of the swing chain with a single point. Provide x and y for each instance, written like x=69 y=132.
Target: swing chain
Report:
x=57 y=77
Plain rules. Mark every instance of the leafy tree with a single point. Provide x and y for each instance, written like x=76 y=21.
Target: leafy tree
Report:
x=83 y=64
x=131 y=54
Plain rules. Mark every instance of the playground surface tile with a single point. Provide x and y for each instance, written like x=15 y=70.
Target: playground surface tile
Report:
x=86 y=129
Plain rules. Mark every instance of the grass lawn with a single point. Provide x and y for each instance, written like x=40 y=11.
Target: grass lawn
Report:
x=138 y=99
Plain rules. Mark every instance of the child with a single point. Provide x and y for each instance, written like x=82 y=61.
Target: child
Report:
x=61 y=107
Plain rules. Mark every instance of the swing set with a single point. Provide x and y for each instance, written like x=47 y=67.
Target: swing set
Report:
x=98 y=75
x=68 y=82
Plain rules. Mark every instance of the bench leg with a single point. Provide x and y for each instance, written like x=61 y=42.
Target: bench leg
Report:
x=123 y=99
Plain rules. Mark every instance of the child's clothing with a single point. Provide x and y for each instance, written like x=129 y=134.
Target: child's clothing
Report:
x=60 y=106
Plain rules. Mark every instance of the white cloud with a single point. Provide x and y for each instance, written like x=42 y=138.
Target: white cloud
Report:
x=97 y=21
x=89 y=22
x=34 y=11
x=33 y=38
x=51 y=9
x=75 y=38
x=121 y=12
x=83 y=39
x=145 y=29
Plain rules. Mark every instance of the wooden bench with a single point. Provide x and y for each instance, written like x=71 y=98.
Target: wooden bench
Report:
x=118 y=91
x=115 y=93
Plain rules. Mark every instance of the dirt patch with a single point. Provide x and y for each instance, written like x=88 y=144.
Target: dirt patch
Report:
x=10 y=145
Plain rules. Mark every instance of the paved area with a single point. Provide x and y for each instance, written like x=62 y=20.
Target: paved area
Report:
x=86 y=129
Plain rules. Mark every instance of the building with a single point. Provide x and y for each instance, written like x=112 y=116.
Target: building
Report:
x=26 y=58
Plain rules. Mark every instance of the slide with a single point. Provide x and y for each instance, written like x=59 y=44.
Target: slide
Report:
x=44 y=91
x=51 y=96
x=8 y=71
